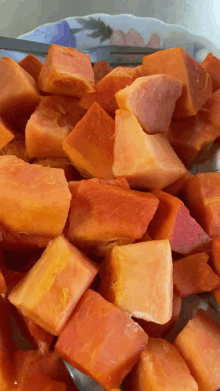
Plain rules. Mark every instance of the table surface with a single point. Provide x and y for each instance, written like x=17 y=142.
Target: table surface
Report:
x=201 y=17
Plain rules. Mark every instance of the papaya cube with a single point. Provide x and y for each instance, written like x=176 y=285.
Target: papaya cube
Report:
x=71 y=173
x=115 y=346
x=31 y=65
x=90 y=144
x=101 y=69
x=152 y=100
x=37 y=197
x=18 y=89
x=60 y=277
x=17 y=148
x=38 y=382
x=50 y=124
x=147 y=161
x=42 y=339
x=127 y=276
x=197 y=84
x=203 y=200
x=3 y=287
x=216 y=255
x=160 y=368
x=199 y=345
x=178 y=186
x=102 y=216
x=121 y=182
x=6 y=133
x=212 y=109
x=212 y=66
x=173 y=221
x=192 y=275
x=66 y=71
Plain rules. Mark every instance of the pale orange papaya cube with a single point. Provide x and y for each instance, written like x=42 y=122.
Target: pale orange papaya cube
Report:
x=17 y=148
x=102 y=216
x=52 y=288
x=212 y=66
x=152 y=100
x=146 y=161
x=90 y=144
x=71 y=173
x=116 y=343
x=160 y=368
x=37 y=197
x=31 y=65
x=197 y=84
x=18 y=90
x=101 y=69
x=6 y=133
x=212 y=109
x=199 y=345
x=66 y=71
x=127 y=278
x=50 y=124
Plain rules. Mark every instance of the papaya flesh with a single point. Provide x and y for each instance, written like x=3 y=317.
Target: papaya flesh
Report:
x=101 y=69
x=71 y=173
x=212 y=66
x=212 y=109
x=178 y=186
x=31 y=65
x=6 y=132
x=17 y=148
x=3 y=287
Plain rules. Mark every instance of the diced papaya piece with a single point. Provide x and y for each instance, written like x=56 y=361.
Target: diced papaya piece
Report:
x=127 y=274
x=173 y=221
x=121 y=182
x=71 y=173
x=114 y=335
x=41 y=337
x=101 y=69
x=3 y=287
x=31 y=65
x=197 y=84
x=189 y=136
x=178 y=186
x=90 y=144
x=212 y=66
x=212 y=109
x=60 y=277
x=160 y=368
x=37 y=197
x=18 y=89
x=50 y=124
x=17 y=148
x=37 y=382
x=199 y=345
x=216 y=255
x=152 y=100
x=147 y=161
x=66 y=71
x=98 y=226
x=203 y=200
x=192 y=275
x=6 y=132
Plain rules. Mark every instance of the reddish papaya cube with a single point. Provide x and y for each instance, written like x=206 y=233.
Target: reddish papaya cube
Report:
x=6 y=132
x=101 y=69
x=212 y=109
x=203 y=200
x=189 y=136
x=31 y=65
x=37 y=197
x=192 y=275
x=66 y=71
x=152 y=100
x=37 y=382
x=212 y=66
x=71 y=173
x=18 y=89
x=145 y=160
x=173 y=221
x=50 y=124
x=123 y=345
x=160 y=368
x=197 y=83
x=3 y=286
x=90 y=144
x=98 y=226
x=121 y=284
x=178 y=186
x=17 y=148
x=60 y=277
x=199 y=345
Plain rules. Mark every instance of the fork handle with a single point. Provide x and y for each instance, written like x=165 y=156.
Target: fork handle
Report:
x=21 y=45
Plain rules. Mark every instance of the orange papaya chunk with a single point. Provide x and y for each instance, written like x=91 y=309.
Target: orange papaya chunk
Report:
x=98 y=226
x=203 y=200
x=17 y=148
x=101 y=69
x=178 y=186
x=41 y=337
x=152 y=100
x=71 y=173
x=199 y=345
x=50 y=124
x=123 y=345
x=192 y=275
x=212 y=109
x=173 y=221
x=121 y=182
x=18 y=89
x=6 y=132
x=37 y=382
x=212 y=66
x=160 y=368
x=3 y=287
x=121 y=284
x=197 y=84
x=53 y=287
x=216 y=255
x=37 y=198
x=147 y=161
x=66 y=71
x=31 y=65
x=90 y=144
